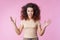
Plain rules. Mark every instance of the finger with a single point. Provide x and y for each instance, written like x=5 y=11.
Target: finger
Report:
x=11 y=19
x=49 y=21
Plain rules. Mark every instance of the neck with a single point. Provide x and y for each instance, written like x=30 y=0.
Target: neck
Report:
x=29 y=18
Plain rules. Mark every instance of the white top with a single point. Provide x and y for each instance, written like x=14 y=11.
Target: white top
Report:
x=30 y=28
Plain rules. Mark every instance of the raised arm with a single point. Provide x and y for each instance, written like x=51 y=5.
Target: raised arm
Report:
x=18 y=30
x=42 y=30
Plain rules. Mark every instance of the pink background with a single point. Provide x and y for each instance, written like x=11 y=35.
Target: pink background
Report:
x=50 y=9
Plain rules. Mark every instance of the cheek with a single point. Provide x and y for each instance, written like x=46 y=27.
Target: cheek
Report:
x=32 y=13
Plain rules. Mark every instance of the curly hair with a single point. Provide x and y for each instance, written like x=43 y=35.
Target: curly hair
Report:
x=36 y=15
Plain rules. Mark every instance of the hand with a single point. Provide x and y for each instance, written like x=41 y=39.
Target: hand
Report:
x=13 y=20
x=46 y=23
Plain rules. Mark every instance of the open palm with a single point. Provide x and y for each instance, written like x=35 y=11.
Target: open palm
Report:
x=14 y=21
x=46 y=23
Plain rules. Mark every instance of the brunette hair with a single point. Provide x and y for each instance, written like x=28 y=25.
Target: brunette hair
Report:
x=36 y=15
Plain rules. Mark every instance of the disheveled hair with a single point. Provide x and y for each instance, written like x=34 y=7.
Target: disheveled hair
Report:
x=36 y=15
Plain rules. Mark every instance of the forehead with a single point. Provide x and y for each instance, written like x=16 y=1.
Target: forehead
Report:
x=29 y=8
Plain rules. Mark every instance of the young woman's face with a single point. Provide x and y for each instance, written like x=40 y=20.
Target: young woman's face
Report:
x=30 y=12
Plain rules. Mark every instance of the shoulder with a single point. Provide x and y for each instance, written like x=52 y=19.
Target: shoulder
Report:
x=38 y=22
x=22 y=21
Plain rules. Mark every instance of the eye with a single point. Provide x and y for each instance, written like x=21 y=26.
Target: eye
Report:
x=28 y=10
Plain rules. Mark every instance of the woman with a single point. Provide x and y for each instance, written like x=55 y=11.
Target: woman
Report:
x=30 y=22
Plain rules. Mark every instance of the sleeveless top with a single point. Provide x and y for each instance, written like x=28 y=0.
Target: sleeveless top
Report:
x=30 y=28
